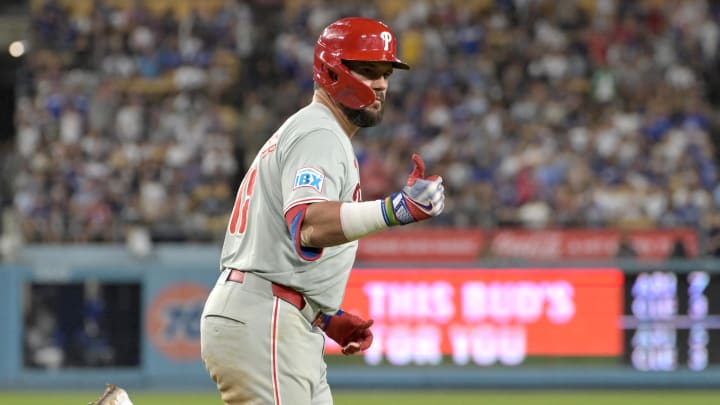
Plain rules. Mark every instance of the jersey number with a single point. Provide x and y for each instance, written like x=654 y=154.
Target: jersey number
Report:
x=242 y=203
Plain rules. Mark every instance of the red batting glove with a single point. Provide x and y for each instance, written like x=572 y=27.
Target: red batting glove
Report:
x=350 y=331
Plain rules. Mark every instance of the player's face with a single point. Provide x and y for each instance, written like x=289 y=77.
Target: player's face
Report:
x=375 y=75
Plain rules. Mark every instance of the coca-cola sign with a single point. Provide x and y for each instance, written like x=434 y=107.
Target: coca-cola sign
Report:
x=447 y=244
x=592 y=244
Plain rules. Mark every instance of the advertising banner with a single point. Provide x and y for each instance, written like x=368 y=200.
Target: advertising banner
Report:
x=487 y=316
x=464 y=245
x=591 y=243
x=422 y=244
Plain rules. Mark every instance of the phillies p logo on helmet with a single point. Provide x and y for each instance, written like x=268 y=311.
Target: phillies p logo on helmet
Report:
x=387 y=37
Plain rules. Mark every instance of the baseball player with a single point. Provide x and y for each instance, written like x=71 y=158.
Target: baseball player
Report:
x=292 y=235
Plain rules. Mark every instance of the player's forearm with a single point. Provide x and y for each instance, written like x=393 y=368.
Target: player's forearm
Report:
x=321 y=226
x=333 y=223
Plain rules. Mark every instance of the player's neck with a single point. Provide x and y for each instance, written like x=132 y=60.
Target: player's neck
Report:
x=347 y=126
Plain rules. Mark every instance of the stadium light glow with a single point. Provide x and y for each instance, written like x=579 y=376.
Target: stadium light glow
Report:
x=16 y=49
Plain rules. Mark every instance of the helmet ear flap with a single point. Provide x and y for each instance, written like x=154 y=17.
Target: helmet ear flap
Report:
x=336 y=79
x=329 y=72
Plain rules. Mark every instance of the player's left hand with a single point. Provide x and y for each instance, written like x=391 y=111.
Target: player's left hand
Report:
x=350 y=331
x=421 y=198
x=427 y=192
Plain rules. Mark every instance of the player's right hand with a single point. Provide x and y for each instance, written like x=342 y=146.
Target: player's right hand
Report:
x=350 y=331
x=420 y=199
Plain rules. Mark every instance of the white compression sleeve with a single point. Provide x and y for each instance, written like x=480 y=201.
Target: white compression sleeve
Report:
x=361 y=218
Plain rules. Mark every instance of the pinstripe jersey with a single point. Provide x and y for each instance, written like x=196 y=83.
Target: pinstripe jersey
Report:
x=309 y=159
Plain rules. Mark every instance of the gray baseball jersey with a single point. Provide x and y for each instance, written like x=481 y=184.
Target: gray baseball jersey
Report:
x=309 y=159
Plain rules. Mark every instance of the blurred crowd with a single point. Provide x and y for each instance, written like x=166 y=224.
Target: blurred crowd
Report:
x=75 y=325
x=587 y=113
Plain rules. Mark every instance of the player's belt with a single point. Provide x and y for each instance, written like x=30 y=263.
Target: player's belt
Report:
x=284 y=293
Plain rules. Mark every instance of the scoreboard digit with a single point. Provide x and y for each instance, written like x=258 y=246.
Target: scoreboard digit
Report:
x=672 y=320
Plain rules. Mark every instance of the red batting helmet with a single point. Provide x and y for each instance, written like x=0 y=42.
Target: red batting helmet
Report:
x=353 y=39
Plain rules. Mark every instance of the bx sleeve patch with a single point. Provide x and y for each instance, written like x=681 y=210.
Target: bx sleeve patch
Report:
x=309 y=177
